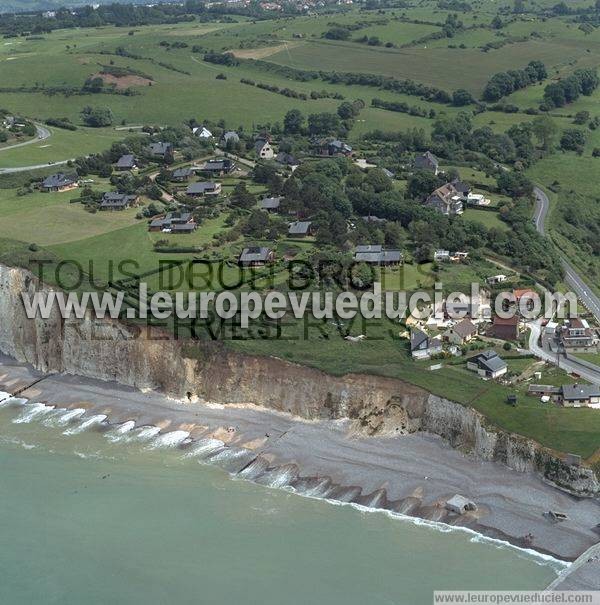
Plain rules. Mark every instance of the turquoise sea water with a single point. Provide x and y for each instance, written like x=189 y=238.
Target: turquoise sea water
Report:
x=109 y=517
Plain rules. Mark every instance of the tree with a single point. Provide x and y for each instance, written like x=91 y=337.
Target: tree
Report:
x=573 y=140
x=97 y=117
x=462 y=97
x=545 y=130
x=323 y=123
x=421 y=184
x=241 y=197
x=293 y=122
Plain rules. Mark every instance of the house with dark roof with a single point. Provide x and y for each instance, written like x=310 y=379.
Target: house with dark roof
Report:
x=218 y=167
x=375 y=254
x=487 y=364
x=422 y=346
x=427 y=161
x=464 y=189
x=180 y=175
x=577 y=395
x=203 y=188
x=285 y=159
x=300 y=229
x=58 y=182
x=461 y=333
x=270 y=204
x=160 y=150
x=332 y=148
x=256 y=256
x=447 y=200
x=126 y=162
x=113 y=200
x=263 y=149
x=174 y=222
x=230 y=138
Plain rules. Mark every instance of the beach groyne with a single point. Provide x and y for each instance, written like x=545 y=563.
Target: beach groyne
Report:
x=208 y=371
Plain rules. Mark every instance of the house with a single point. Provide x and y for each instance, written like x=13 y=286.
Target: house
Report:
x=203 y=188
x=460 y=505
x=478 y=199
x=218 y=167
x=423 y=347
x=576 y=395
x=487 y=364
x=505 y=328
x=300 y=229
x=160 y=150
x=256 y=256
x=388 y=173
x=270 y=204
x=447 y=200
x=441 y=256
x=371 y=218
x=464 y=189
x=335 y=148
x=577 y=334
x=544 y=390
x=285 y=159
x=377 y=255
x=202 y=133
x=461 y=333
x=263 y=150
x=58 y=182
x=174 y=222
x=117 y=201
x=496 y=279
x=230 y=138
x=427 y=161
x=181 y=174
x=126 y=162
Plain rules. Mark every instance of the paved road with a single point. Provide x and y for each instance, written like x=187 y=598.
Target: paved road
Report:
x=42 y=134
x=590 y=300
x=544 y=352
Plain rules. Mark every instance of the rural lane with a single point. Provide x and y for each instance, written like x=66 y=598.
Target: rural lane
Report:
x=42 y=134
x=590 y=300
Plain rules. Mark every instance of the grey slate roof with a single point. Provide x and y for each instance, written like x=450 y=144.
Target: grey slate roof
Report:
x=218 y=165
x=200 y=188
x=286 y=159
x=181 y=173
x=417 y=338
x=426 y=160
x=270 y=203
x=126 y=161
x=230 y=135
x=255 y=254
x=113 y=199
x=299 y=228
x=573 y=392
x=376 y=254
x=57 y=180
x=489 y=360
x=160 y=148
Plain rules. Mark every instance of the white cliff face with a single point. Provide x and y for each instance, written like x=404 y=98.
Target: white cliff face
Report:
x=137 y=357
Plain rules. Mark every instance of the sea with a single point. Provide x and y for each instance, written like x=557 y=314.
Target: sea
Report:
x=99 y=514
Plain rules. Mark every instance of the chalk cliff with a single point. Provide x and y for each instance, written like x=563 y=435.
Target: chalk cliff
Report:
x=110 y=350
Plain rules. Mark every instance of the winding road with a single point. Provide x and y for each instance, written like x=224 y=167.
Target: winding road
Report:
x=587 y=296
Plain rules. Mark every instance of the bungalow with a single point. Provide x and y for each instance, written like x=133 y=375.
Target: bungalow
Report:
x=505 y=328
x=576 y=395
x=496 y=279
x=117 y=201
x=270 y=204
x=202 y=133
x=58 y=182
x=218 y=166
x=325 y=147
x=285 y=159
x=256 y=256
x=230 y=138
x=126 y=162
x=375 y=254
x=423 y=347
x=263 y=150
x=446 y=199
x=180 y=175
x=427 y=161
x=487 y=364
x=160 y=150
x=174 y=222
x=441 y=256
x=461 y=333
x=577 y=334
x=203 y=188
x=300 y=229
